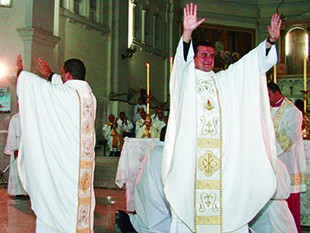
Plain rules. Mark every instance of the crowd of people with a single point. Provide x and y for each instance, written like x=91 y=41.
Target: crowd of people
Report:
x=221 y=167
x=141 y=126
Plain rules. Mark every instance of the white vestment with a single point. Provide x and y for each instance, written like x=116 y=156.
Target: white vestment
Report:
x=290 y=146
x=153 y=212
x=137 y=109
x=12 y=143
x=248 y=151
x=276 y=217
x=107 y=130
x=158 y=124
x=57 y=157
x=125 y=127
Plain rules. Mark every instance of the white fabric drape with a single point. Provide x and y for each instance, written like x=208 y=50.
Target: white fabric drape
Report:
x=50 y=148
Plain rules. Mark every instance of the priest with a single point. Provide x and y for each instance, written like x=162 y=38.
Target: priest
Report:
x=57 y=159
x=218 y=174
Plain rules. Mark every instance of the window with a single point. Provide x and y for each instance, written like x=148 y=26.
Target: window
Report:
x=77 y=4
x=5 y=3
x=158 y=32
x=93 y=8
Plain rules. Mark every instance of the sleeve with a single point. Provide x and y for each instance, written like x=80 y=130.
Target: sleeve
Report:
x=106 y=131
x=266 y=61
x=128 y=126
x=283 y=181
x=186 y=47
x=56 y=79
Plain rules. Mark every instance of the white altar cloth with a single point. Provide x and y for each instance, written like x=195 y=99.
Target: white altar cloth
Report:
x=129 y=165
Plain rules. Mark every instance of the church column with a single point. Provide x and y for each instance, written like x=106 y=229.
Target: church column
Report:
x=38 y=33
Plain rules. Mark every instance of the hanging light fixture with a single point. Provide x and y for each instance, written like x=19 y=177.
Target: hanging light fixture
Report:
x=6 y=3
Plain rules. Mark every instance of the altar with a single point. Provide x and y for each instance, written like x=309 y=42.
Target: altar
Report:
x=133 y=154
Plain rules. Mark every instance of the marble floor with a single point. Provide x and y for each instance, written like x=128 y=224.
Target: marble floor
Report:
x=17 y=217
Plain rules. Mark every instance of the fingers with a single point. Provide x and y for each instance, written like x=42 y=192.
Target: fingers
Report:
x=276 y=21
x=190 y=9
x=42 y=62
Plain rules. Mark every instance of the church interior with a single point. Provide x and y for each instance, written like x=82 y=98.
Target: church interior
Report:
x=123 y=43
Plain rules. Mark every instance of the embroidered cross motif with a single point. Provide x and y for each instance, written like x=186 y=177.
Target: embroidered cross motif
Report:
x=208 y=163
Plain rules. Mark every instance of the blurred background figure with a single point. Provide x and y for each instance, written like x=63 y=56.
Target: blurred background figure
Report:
x=11 y=148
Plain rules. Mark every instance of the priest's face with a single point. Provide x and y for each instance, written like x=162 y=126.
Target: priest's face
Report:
x=272 y=97
x=204 y=60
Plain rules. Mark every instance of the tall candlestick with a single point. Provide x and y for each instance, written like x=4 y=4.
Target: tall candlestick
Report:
x=171 y=64
x=305 y=82
x=275 y=73
x=148 y=88
x=305 y=73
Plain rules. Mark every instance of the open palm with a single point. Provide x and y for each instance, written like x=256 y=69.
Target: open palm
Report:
x=190 y=17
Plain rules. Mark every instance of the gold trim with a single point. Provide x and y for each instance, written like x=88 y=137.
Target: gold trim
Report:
x=208 y=184
x=86 y=164
x=208 y=220
x=298 y=179
x=208 y=143
x=211 y=163
x=82 y=231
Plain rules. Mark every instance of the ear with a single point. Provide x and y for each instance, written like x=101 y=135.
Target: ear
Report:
x=68 y=76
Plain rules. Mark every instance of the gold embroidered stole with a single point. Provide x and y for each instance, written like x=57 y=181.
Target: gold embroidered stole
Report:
x=285 y=142
x=208 y=185
x=282 y=137
x=87 y=157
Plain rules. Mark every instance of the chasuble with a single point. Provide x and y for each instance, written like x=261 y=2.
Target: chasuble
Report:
x=57 y=152
x=220 y=144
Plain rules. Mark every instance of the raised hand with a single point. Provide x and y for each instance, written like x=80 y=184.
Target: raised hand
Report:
x=19 y=63
x=190 y=22
x=43 y=67
x=274 y=28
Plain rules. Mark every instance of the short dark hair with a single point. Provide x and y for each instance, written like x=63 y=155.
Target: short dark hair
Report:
x=76 y=68
x=273 y=87
x=201 y=43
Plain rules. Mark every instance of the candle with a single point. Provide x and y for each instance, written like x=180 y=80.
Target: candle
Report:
x=148 y=88
x=305 y=83
x=275 y=73
x=305 y=73
x=171 y=64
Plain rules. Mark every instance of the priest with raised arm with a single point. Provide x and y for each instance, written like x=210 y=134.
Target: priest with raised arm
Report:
x=219 y=174
x=57 y=157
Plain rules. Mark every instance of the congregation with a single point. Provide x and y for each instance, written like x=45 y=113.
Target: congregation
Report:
x=141 y=126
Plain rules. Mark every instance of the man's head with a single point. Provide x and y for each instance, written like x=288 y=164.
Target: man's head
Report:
x=122 y=115
x=140 y=101
x=274 y=93
x=156 y=110
x=111 y=118
x=143 y=115
x=166 y=119
x=204 y=56
x=73 y=69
